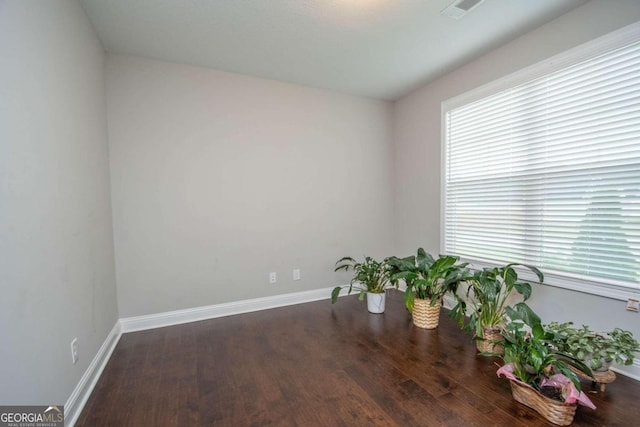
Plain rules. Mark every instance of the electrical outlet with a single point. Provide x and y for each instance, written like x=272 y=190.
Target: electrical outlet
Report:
x=74 y=350
x=296 y=274
x=273 y=278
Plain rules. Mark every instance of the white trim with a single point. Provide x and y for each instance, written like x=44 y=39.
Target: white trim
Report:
x=583 y=52
x=563 y=281
x=631 y=371
x=590 y=287
x=80 y=394
x=177 y=317
x=444 y=152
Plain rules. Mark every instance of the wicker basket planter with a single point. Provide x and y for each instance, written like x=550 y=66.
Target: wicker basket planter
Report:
x=555 y=412
x=425 y=315
x=487 y=344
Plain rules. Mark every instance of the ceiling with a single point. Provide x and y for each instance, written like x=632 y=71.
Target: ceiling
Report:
x=375 y=48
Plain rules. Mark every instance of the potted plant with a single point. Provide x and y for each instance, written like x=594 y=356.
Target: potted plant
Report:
x=370 y=278
x=596 y=350
x=539 y=374
x=489 y=292
x=427 y=280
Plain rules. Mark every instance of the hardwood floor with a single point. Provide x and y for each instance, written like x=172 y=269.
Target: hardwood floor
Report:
x=319 y=365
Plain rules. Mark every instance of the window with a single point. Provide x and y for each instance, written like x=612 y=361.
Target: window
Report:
x=543 y=168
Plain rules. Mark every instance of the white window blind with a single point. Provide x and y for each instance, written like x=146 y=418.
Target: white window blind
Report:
x=548 y=172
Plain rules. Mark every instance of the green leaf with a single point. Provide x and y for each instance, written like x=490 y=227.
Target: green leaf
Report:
x=510 y=276
x=344 y=267
x=569 y=374
x=523 y=289
x=537 y=331
x=335 y=293
x=423 y=259
x=458 y=312
x=345 y=263
x=405 y=275
x=523 y=312
x=402 y=264
x=533 y=269
x=537 y=359
x=408 y=299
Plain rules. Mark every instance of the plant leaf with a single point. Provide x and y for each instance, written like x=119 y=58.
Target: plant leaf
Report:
x=335 y=293
x=523 y=289
x=408 y=299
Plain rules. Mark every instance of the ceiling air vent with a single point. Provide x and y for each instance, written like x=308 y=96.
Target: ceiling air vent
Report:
x=459 y=8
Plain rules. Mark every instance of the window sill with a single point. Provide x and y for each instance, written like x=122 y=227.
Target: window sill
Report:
x=605 y=290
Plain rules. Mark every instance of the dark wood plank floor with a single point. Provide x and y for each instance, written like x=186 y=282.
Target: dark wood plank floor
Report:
x=319 y=365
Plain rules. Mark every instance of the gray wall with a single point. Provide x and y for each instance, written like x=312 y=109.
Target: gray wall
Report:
x=56 y=249
x=218 y=179
x=417 y=140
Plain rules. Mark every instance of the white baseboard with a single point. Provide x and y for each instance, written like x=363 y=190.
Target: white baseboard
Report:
x=631 y=371
x=77 y=400
x=169 y=318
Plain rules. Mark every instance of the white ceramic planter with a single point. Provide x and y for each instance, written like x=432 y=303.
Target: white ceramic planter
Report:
x=375 y=302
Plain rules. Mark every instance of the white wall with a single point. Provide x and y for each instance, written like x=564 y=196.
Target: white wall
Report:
x=417 y=153
x=56 y=249
x=218 y=179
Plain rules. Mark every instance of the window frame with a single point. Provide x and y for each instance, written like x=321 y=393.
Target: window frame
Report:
x=619 y=38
